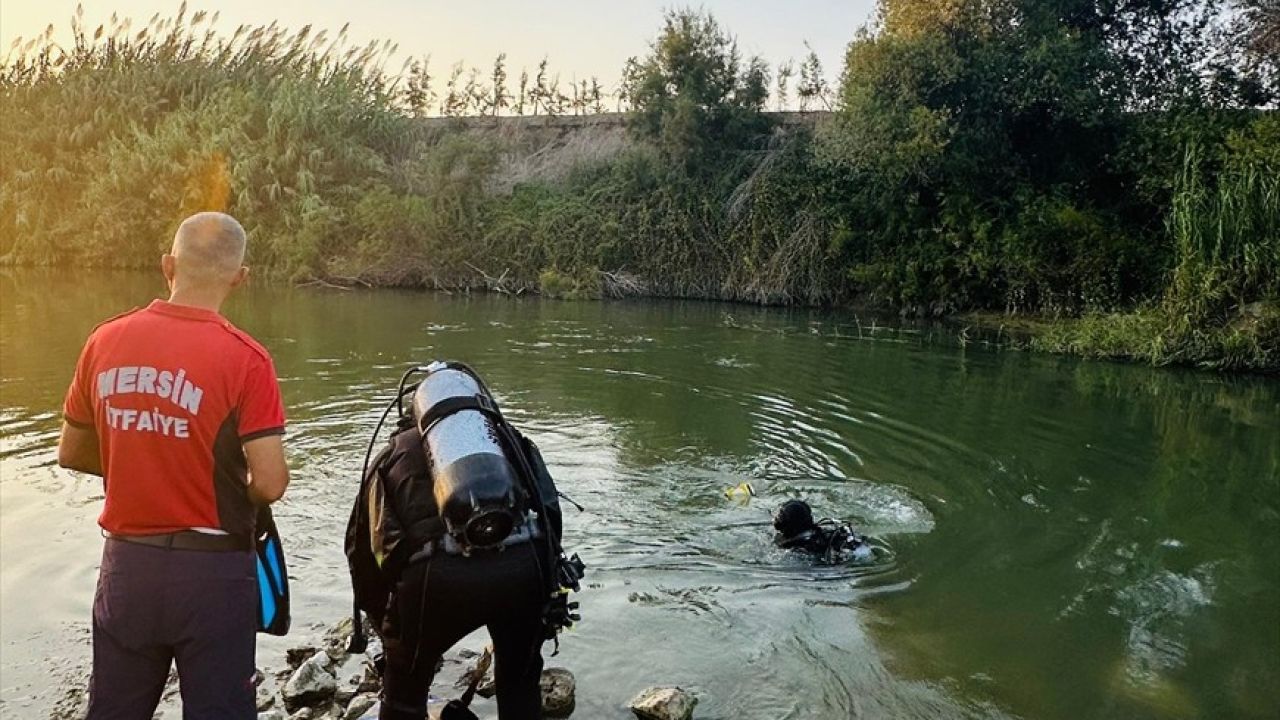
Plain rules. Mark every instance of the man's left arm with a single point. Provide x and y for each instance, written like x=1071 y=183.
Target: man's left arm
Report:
x=261 y=428
x=78 y=449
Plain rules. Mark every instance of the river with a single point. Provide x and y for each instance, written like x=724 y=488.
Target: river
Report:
x=1064 y=539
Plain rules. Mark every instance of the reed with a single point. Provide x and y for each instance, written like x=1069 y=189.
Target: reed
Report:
x=1221 y=307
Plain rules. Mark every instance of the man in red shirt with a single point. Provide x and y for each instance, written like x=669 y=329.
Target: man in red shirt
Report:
x=180 y=413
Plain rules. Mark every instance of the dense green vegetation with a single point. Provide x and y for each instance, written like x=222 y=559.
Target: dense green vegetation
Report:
x=1108 y=163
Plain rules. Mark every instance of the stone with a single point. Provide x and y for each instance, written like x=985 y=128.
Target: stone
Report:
x=303 y=714
x=663 y=703
x=295 y=656
x=273 y=715
x=360 y=705
x=558 y=692
x=479 y=672
x=350 y=673
x=369 y=681
x=374 y=650
x=266 y=697
x=339 y=635
x=311 y=684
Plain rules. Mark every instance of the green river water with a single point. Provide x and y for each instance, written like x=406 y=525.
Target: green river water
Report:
x=1066 y=539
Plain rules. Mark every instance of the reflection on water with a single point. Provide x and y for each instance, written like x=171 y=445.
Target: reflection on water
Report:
x=1063 y=539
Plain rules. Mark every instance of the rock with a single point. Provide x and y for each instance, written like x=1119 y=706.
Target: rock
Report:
x=360 y=705
x=311 y=683
x=369 y=682
x=663 y=703
x=558 y=690
x=479 y=672
x=266 y=697
x=295 y=656
x=375 y=648
x=303 y=714
x=339 y=635
x=350 y=673
x=338 y=638
x=273 y=715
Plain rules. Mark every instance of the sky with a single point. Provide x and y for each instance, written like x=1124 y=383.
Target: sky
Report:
x=581 y=38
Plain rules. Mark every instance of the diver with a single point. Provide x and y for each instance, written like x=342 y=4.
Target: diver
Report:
x=457 y=526
x=825 y=539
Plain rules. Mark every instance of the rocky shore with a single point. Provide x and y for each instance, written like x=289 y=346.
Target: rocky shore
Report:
x=322 y=681
x=325 y=682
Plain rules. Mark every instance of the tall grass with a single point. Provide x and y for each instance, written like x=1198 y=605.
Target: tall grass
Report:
x=1227 y=239
x=1221 y=307
x=110 y=142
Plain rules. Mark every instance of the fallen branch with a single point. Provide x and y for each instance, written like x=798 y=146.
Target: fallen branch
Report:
x=324 y=284
x=491 y=282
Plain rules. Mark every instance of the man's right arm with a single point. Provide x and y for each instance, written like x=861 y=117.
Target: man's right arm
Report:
x=268 y=472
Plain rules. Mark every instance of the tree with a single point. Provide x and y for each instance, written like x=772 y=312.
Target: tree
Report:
x=522 y=92
x=475 y=94
x=500 y=98
x=596 y=96
x=1257 y=33
x=813 y=88
x=455 y=100
x=540 y=94
x=690 y=94
x=418 y=95
x=785 y=72
x=979 y=137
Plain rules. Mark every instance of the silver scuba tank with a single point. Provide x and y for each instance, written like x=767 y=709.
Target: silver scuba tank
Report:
x=475 y=486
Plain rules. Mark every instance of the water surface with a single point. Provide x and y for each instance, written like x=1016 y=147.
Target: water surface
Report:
x=1065 y=539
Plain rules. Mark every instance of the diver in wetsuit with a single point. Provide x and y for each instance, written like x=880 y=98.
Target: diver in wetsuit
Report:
x=826 y=539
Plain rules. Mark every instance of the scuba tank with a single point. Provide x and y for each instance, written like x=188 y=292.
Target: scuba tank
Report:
x=477 y=491
x=489 y=488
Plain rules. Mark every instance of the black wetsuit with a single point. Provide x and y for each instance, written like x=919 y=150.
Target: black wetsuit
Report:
x=443 y=599
x=829 y=542
x=440 y=599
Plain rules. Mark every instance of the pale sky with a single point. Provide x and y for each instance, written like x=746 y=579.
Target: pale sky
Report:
x=580 y=37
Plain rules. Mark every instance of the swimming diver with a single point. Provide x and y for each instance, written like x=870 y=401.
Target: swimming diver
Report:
x=826 y=539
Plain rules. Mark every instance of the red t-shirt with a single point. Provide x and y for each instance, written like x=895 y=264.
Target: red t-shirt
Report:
x=172 y=392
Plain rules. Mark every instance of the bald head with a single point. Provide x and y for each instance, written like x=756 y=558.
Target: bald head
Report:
x=209 y=249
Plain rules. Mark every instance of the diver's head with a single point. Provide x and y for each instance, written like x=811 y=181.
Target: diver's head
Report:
x=793 y=518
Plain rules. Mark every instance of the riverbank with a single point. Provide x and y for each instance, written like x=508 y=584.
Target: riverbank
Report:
x=1247 y=341
x=1156 y=231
